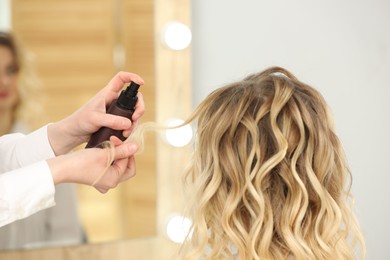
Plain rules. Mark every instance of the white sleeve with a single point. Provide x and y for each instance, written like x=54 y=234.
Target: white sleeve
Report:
x=18 y=150
x=25 y=191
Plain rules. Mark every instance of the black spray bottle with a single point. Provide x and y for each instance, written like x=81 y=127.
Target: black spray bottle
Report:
x=123 y=106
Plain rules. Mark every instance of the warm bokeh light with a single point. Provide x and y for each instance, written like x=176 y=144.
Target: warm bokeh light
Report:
x=178 y=228
x=178 y=137
x=177 y=36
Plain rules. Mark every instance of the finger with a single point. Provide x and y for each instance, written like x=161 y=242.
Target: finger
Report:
x=113 y=121
x=126 y=133
x=125 y=150
x=101 y=190
x=126 y=167
x=121 y=78
x=139 y=107
x=131 y=168
x=111 y=178
x=115 y=140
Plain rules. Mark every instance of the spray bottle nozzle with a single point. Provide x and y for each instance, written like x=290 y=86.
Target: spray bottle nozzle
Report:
x=128 y=97
x=132 y=89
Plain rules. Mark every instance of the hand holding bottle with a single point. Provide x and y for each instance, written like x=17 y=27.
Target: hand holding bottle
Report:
x=78 y=127
x=123 y=106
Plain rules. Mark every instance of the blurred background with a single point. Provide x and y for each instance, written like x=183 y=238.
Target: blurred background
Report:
x=342 y=48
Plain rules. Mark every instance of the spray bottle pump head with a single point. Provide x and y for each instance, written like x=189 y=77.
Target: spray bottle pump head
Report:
x=128 y=97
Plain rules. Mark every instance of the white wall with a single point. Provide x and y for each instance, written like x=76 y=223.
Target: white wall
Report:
x=342 y=48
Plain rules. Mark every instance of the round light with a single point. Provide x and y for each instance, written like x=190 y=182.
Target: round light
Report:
x=178 y=228
x=178 y=137
x=177 y=36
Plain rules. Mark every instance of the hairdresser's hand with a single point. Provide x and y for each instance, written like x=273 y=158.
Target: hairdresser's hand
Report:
x=78 y=127
x=87 y=166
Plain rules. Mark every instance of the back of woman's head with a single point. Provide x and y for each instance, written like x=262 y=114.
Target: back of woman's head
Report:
x=268 y=174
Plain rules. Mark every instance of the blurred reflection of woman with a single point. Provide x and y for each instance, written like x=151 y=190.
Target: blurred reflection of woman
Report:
x=53 y=226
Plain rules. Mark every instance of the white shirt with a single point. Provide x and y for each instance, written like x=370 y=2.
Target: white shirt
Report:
x=26 y=184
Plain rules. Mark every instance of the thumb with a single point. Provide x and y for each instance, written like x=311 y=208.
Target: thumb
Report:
x=125 y=150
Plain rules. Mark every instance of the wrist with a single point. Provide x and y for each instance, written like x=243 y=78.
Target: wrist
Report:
x=60 y=137
x=56 y=169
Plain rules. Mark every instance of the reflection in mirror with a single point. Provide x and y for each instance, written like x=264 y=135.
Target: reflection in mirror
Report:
x=73 y=45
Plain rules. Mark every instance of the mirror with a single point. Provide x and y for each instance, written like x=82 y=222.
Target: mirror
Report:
x=68 y=62
x=78 y=46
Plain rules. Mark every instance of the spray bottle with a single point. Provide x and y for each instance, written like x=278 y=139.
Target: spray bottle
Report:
x=123 y=106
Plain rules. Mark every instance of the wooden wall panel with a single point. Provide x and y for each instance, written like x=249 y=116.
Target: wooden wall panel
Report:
x=136 y=33
x=73 y=44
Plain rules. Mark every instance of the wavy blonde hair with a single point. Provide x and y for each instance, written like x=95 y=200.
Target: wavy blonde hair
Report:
x=268 y=177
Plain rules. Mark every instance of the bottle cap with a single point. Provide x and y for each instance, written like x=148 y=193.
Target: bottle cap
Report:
x=128 y=97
